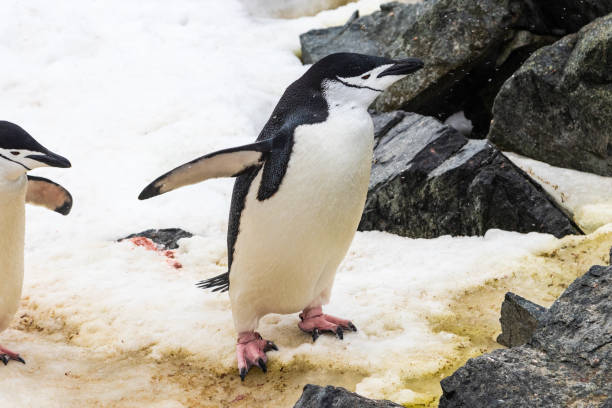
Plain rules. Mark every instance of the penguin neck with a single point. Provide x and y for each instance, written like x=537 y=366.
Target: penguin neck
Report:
x=12 y=232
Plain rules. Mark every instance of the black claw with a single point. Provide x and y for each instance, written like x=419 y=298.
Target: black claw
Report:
x=270 y=346
x=340 y=333
x=262 y=365
x=352 y=327
x=21 y=360
x=315 y=335
x=243 y=373
x=4 y=359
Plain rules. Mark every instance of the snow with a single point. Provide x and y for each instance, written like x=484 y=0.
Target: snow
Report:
x=587 y=196
x=129 y=90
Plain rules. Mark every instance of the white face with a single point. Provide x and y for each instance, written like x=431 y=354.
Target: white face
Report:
x=358 y=91
x=14 y=163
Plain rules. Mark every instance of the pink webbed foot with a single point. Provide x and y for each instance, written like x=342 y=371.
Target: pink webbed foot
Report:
x=251 y=350
x=7 y=355
x=315 y=322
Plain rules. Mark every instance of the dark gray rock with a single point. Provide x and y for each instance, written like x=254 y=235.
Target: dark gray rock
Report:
x=315 y=396
x=429 y=180
x=384 y=122
x=558 y=106
x=567 y=363
x=519 y=320
x=470 y=47
x=562 y=16
x=167 y=238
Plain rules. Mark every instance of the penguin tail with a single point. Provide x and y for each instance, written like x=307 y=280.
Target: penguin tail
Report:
x=219 y=283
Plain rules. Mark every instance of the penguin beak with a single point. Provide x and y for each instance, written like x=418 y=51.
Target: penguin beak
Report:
x=403 y=67
x=50 y=159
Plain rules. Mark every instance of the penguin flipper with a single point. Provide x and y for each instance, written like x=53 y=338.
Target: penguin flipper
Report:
x=223 y=163
x=48 y=194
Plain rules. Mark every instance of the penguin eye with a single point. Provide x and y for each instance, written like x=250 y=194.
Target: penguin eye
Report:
x=15 y=153
x=365 y=76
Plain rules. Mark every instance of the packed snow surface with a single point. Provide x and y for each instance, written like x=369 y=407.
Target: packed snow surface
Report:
x=129 y=90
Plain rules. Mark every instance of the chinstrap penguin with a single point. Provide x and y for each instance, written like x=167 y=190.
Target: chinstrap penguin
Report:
x=298 y=197
x=20 y=153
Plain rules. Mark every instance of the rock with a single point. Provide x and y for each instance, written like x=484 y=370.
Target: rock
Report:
x=567 y=363
x=429 y=180
x=167 y=238
x=315 y=396
x=519 y=320
x=563 y=16
x=470 y=47
x=557 y=107
x=383 y=122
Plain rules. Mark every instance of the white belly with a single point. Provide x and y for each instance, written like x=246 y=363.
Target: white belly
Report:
x=290 y=245
x=12 y=226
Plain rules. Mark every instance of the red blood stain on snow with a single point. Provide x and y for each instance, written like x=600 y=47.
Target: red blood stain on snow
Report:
x=151 y=246
x=239 y=397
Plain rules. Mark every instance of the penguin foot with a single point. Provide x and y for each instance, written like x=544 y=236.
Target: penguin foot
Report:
x=315 y=322
x=251 y=350
x=7 y=355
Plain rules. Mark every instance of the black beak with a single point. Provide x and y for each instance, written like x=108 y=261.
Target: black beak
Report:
x=51 y=159
x=403 y=67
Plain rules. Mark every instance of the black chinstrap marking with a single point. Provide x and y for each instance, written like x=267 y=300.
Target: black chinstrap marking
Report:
x=16 y=162
x=357 y=86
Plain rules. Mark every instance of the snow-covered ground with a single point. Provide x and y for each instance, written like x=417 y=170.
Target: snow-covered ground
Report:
x=127 y=90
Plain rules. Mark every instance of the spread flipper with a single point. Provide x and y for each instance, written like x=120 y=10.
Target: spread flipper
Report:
x=224 y=163
x=48 y=194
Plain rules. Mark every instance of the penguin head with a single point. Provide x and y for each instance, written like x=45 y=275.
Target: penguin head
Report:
x=358 y=78
x=19 y=153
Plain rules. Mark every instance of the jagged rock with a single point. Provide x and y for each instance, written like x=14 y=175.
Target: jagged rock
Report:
x=470 y=47
x=519 y=320
x=429 y=180
x=167 y=238
x=315 y=396
x=558 y=106
x=567 y=363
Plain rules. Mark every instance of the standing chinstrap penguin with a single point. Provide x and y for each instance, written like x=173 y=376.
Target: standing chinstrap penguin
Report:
x=298 y=197
x=20 y=153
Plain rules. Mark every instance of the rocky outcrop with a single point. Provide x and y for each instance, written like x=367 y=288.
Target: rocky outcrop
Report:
x=519 y=320
x=557 y=107
x=468 y=46
x=567 y=362
x=315 y=396
x=166 y=238
x=429 y=180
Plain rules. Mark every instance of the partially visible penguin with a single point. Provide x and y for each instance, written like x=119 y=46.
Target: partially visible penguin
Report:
x=20 y=153
x=298 y=197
